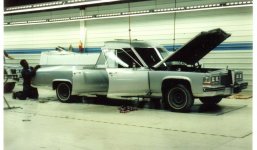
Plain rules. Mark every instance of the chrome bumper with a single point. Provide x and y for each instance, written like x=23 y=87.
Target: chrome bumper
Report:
x=222 y=90
x=240 y=86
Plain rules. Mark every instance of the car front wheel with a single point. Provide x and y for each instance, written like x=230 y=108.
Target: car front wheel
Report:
x=63 y=92
x=178 y=98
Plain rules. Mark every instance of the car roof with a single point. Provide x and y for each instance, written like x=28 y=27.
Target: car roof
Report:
x=124 y=43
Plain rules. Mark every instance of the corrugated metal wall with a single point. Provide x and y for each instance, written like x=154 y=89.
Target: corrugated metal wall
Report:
x=236 y=52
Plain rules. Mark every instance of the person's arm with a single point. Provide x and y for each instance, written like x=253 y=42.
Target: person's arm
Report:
x=37 y=67
x=34 y=70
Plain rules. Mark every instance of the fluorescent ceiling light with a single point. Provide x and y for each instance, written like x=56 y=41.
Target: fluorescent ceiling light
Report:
x=80 y=17
x=135 y=13
x=58 y=19
x=37 y=21
x=18 y=22
x=42 y=6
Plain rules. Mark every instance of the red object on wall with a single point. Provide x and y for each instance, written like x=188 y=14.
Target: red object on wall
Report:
x=81 y=49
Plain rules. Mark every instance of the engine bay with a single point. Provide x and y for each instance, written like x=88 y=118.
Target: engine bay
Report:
x=180 y=66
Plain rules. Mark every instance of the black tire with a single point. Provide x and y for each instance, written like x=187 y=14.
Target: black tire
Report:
x=178 y=98
x=63 y=92
x=211 y=100
x=155 y=103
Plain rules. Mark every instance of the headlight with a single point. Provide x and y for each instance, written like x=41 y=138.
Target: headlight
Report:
x=215 y=79
x=207 y=80
x=211 y=80
x=239 y=76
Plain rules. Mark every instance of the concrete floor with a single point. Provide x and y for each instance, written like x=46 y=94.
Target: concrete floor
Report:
x=50 y=125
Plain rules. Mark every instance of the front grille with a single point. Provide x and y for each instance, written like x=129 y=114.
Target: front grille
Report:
x=226 y=80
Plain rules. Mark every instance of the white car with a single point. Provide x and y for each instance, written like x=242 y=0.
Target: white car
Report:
x=138 y=69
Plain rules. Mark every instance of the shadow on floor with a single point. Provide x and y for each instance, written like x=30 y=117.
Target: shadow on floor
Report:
x=156 y=104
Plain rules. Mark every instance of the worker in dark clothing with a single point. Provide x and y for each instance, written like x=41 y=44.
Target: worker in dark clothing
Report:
x=27 y=74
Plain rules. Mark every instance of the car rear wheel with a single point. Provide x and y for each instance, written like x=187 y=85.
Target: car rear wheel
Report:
x=211 y=100
x=63 y=92
x=178 y=98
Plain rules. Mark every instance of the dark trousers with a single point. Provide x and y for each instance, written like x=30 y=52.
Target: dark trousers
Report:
x=27 y=92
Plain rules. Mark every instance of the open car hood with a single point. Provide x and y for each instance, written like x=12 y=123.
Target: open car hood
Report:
x=197 y=48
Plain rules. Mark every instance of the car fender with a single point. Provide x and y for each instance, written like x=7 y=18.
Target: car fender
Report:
x=179 y=78
x=60 y=80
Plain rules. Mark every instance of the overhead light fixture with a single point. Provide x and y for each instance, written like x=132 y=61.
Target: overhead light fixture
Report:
x=108 y=15
x=80 y=17
x=55 y=5
x=58 y=19
x=18 y=23
x=37 y=21
x=137 y=13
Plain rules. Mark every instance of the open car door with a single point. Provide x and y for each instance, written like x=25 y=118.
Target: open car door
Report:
x=126 y=77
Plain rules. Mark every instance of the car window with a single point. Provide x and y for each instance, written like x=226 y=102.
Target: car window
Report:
x=149 y=55
x=101 y=61
x=129 y=57
x=164 y=52
x=113 y=61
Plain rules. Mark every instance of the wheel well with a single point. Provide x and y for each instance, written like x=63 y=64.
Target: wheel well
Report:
x=55 y=84
x=168 y=83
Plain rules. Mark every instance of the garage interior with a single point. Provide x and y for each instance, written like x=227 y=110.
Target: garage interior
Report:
x=32 y=27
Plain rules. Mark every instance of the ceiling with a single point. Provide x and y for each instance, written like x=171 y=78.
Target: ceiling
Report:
x=11 y=3
x=16 y=3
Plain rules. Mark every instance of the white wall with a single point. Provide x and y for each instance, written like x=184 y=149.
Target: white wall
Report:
x=157 y=28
